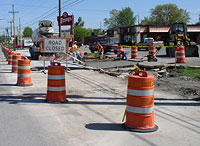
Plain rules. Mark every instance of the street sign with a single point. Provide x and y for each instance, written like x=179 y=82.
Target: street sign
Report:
x=54 y=45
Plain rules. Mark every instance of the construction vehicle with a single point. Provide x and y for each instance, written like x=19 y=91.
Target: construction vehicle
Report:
x=45 y=30
x=179 y=36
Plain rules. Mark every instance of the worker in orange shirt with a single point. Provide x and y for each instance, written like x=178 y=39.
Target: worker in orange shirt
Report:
x=100 y=50
x=74 y=51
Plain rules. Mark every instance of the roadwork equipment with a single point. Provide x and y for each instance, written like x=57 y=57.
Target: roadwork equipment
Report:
x=10 y=54
x=15 y=59
x=56 y=83
x=180 y=54
x=134 y=52
x=140 y=103
x=24 y=72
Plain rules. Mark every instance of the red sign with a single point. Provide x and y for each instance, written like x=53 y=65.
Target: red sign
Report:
x=66 y=19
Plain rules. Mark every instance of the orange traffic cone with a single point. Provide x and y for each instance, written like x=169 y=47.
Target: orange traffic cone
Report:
x=134 y=52
x=15 y=59
x=56 y=83
x=24 y=73
x=180 y=55
x=140 y=103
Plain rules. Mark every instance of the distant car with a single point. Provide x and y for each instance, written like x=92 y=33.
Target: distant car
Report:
x=107 y=43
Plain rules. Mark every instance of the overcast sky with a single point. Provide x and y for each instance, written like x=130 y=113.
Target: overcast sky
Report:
x=92 y=12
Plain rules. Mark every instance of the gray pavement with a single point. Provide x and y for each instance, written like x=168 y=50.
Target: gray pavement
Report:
x=93 y=115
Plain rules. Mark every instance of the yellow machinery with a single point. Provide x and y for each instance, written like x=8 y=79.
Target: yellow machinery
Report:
x=178 y=34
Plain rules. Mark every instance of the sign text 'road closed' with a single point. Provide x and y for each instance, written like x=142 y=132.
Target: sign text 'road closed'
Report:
x=54 y=45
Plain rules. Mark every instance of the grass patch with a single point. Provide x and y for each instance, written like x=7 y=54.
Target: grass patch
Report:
x=189 y=72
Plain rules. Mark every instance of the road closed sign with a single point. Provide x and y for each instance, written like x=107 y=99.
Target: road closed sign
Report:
x=54 y=45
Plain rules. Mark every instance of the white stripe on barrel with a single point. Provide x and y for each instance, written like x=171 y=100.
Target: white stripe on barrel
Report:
x=141 y=92
x=144 y=110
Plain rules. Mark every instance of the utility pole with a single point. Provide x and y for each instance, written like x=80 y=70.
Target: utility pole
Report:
x=59 y=11
x=138 y=19
x=13 y=12
x=10 y=28
x=20 y=33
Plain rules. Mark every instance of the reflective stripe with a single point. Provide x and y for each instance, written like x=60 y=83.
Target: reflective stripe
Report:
x=140 y=92
x=24 y=67
x=14 y=66
x=56 y=88
x=23 y=75
x=10 y=55
x=134 y=50
x=180 y=56
x=14 y=59
x=134 y=53
x=56 y=77
x=180 y=51
x=10 y=59
x=139 y=110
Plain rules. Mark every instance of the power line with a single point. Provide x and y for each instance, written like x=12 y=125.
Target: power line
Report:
x=45 y=13
x=55 y=11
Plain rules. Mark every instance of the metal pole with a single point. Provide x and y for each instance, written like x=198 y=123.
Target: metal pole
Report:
x=59 y=23
x=14 y=27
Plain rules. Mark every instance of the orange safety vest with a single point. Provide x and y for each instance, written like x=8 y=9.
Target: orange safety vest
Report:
x=100 y=48
x=74 y=49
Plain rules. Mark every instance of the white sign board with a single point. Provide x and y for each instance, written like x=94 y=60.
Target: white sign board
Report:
x=28 y=43
x=54 y=45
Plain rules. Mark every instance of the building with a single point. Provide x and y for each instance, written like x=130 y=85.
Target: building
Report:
x=134 y=34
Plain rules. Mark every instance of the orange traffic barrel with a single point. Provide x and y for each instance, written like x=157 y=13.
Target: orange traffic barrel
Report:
x=140 y=103
x=56 y=83
x=152 y=51
x=119 y=49
x=24 y=73
x=180 y=54
x=134 y=52
x=15 y=59
x=10 y=54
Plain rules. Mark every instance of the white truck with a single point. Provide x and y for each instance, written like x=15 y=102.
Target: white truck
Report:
x=146 y=42
x=45 y=30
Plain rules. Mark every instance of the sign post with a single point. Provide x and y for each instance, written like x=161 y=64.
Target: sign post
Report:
x=66 y=20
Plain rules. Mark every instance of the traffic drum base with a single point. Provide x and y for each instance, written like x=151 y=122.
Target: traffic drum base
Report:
x=139 y=130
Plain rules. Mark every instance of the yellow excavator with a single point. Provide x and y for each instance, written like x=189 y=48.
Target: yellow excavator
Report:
x=179 y=36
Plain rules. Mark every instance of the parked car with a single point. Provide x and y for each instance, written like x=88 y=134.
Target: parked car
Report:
x=149 y=41
x=107 y=43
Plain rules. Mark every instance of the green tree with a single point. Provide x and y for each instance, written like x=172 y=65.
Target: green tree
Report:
x=123 y=17
x=198 y=23
x=80 y=33
x=27 y=32
x=96 y=32
x=166 y=14
x=79 y=22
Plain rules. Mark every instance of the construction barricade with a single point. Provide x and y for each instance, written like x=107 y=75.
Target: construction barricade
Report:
x=15 y=59
x=134 y=52
x=140 y=103
x=180 y=54
x=152 y=53
x=56 y=83
x=10 y=55
x=24 y=72
x=119 y=50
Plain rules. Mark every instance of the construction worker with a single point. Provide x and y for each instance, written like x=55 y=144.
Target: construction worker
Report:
x=100 y=50
x=74 y=51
